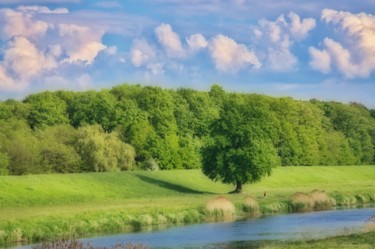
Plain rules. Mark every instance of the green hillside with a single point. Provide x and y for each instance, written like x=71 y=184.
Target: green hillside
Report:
x=64 y=189
x=45 y=207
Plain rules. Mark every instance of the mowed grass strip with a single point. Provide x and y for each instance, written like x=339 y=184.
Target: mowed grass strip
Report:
x=38 y=195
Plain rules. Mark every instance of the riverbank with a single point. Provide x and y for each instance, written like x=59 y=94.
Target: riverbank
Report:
x=44 y=207
x=351 y=241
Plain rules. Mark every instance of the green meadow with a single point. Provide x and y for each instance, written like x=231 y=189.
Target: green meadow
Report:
x=45 y=207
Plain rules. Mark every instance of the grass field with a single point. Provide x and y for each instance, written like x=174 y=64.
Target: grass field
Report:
x=111 y=201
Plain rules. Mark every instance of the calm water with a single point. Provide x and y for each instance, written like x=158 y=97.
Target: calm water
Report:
x=280 y=227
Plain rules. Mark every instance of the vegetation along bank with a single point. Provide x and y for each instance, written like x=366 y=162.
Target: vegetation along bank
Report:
x=76 y=205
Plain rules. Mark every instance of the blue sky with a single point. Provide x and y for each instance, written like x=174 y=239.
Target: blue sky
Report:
x=304 y=49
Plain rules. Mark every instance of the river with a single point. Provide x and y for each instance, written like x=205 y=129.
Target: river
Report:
x=276 y=227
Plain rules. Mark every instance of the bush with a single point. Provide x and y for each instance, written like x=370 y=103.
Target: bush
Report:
x=150 y=164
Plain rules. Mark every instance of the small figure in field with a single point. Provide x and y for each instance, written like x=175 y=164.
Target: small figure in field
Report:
x=265 y=194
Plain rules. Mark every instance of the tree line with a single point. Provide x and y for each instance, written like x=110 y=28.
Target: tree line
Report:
x=143 y=127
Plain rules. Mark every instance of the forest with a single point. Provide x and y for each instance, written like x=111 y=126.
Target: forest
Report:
x=133 y=127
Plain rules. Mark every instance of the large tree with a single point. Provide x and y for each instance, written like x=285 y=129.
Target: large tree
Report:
x=241 y=149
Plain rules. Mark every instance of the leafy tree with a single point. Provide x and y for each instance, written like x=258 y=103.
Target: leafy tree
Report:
x=202 y=111
x=240 y=150
x=21 y=146
x=103 y=151
x=14 y=109
x=355 y=122
x=46 y=109
x=94 y=108
x=57 y=151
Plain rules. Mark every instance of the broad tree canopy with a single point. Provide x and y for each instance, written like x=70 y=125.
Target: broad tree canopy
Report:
x=241 y=147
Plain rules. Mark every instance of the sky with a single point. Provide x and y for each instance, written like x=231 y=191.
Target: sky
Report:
x=320 y=49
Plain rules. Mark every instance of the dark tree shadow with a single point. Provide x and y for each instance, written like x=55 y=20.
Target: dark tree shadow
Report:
x=168 y=185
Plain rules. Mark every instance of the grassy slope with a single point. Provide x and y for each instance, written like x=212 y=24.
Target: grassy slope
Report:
x=44 y=207
x=23 y=196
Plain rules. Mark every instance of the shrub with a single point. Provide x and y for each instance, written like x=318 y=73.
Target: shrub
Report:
x=150 y=164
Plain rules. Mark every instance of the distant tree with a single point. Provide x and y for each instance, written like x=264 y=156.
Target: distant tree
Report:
x=14 y=109
x=21 y=146
x=57 y=149
x=103 y=151
x=46 y=109
x=94 y=108
x=240 y=150
x=217 y=94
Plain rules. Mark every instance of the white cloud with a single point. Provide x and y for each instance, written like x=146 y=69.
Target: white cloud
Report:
x=170 y=41
x=34 y=48
x=196 y=42
x=299 y=29
x=280 y=58
x=353 y=53
x=41 y=9
x=229 y=56
x=23 y=59
x=80 y=43
x=320 y=60
x=20 y=23
x=142 y=53
x=7 y=83
x=274 y=40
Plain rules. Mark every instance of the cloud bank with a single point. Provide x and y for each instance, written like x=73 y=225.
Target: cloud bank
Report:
x=352 y=53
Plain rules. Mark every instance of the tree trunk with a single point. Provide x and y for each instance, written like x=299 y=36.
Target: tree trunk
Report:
x=238 y=187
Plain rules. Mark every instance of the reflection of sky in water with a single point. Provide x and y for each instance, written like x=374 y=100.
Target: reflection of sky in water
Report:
x=279 y=227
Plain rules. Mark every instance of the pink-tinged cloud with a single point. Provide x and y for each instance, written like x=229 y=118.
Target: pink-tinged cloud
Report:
x=352 y=54
x=229 y=56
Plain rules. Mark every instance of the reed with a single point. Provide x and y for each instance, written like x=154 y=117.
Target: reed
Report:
x=316 y=200
x=220 y=208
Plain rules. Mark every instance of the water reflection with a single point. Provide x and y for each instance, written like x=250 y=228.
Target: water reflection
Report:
x=245 y=233
x=249 y=233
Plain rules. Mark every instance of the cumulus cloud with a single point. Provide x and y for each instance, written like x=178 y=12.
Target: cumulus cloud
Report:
x=229 y=56
x=274 y=40
x=23 y=58
x=320 y=60
x=32 y=47
x=353 y=53
x=80 y=43
x=196 y=42
x=23 y=61
x=20 y=23
x=142 y=53
x=169 y=40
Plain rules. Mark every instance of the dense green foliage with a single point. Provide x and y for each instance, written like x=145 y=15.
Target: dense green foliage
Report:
x=167 y=129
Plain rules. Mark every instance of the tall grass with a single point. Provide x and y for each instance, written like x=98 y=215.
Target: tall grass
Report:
x=316 y=200
x=220 y=208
